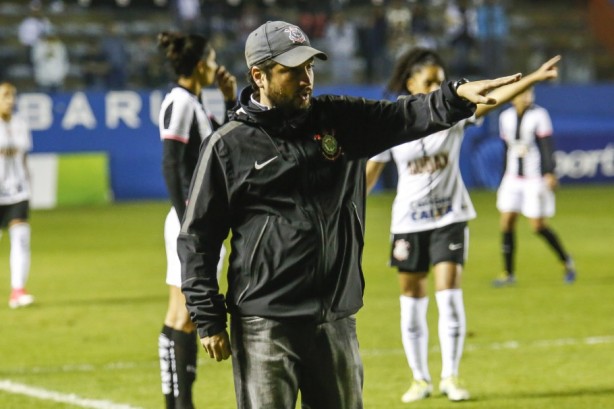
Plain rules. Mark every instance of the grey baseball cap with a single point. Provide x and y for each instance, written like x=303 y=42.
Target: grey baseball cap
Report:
x=281 y=42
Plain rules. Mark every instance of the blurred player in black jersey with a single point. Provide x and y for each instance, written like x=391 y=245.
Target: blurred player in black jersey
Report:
x=184 y=122
x=529 y=181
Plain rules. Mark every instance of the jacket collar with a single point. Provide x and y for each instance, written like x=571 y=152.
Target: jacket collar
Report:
x=273 y=119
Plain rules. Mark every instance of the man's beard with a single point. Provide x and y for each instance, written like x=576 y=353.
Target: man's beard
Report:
x=289 y=104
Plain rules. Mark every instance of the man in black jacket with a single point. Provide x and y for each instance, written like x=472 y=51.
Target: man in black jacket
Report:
x=286 y=177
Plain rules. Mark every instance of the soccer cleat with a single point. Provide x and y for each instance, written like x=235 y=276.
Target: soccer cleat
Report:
x=417 y=391
x=452 y=388
x=505 y=280
x=20 y=298
x=570 y=271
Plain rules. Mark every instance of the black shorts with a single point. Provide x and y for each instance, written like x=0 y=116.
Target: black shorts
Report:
x=416 y=252
x=14 y=211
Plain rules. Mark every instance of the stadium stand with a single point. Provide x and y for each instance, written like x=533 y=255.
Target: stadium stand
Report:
x=537 y=29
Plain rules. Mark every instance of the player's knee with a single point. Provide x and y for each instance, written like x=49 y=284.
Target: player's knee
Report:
x=181 y=321
x=538 y=228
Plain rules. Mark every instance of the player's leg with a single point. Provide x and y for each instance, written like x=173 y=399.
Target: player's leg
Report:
x=509 y=203
x=540 y=227
x=415 y=333
x=184 y=348
x=177 y=343
x=167 y=366
x=19 y=234
x=449 y=247
x=507 y=224
x=410 y=256
x=540 y=205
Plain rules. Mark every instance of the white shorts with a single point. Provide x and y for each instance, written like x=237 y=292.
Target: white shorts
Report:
x=172 y=226
x=529 y=196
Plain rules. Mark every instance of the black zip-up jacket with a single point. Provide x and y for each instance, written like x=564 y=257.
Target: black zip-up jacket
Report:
x=292 y=193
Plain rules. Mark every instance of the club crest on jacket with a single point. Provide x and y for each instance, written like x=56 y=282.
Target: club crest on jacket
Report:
x=328 y=144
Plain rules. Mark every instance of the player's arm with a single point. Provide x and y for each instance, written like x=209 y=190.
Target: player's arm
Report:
x=546 y=151
x=505 y=146
x=373 y=172
x=504 y=94
x=172 y=152
x=227 y=84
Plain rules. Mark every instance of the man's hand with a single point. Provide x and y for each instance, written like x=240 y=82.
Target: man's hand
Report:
x=475 y=91
x=227 y=83
x=217 y=346
x=548 y=70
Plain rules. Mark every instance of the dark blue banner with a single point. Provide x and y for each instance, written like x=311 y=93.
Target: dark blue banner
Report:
x=124 y=125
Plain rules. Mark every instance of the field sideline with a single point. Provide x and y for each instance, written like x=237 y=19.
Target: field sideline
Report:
x=98 y=275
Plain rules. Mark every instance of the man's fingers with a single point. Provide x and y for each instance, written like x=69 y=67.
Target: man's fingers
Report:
x=215 y=352
x=226 y=351
x=476 y=91
x=505 y=80
x=552 y=62
x=217 y=346
x=222 y=352
x=210 y=351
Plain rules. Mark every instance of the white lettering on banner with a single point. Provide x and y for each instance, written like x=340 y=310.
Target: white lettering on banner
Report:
x=585 y=164
x=124 y=106
x=37 y=110
x=607 y=161
x=79 y=112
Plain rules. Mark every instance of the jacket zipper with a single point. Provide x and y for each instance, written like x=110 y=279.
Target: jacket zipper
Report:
x=318 y=217
x=251 y=258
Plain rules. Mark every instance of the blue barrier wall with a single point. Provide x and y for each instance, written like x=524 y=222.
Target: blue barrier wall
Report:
x=124 y=124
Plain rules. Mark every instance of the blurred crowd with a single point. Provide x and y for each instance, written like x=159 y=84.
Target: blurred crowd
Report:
x=113 y=46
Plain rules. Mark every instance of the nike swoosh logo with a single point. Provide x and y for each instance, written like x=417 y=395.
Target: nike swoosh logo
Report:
x=453 y=246
x=259 y=166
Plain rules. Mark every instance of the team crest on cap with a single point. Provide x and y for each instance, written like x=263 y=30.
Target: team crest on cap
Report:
x=295 y=34
x=328 y=144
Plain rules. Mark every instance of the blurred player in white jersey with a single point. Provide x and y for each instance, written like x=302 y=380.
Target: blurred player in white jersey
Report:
x=528 y=182
x=15 y=143
x=429 y=223
x=184 y=123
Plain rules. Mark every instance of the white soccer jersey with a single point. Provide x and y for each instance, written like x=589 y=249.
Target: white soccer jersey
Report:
x=523 y=156
x=180 y=110
x=15 y=143
x=183 y=118
x=430 y=191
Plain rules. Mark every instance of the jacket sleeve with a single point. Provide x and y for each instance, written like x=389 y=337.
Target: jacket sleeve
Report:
x=203 y=231
x=374 y=126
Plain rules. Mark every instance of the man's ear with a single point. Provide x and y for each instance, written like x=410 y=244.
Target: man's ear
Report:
x=258 y=76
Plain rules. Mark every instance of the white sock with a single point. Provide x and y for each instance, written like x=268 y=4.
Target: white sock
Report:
x=452 y=329
x=415 y=335
x=20 y=254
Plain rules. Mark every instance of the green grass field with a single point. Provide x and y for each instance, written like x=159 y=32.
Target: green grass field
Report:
x=98 y=275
